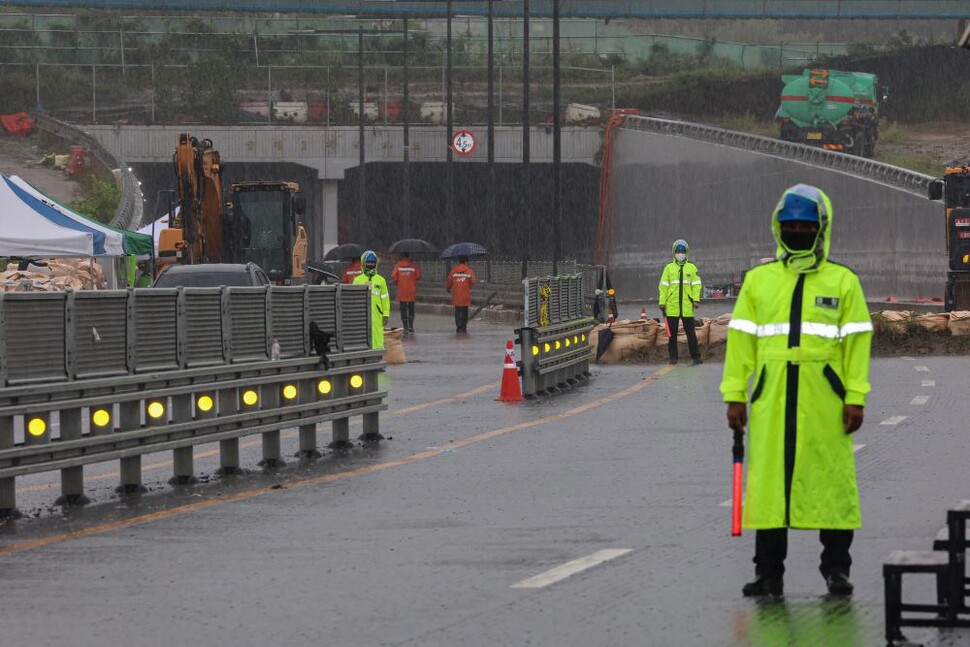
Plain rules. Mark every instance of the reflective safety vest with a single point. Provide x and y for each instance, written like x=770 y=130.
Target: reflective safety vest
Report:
x=680 y=288
x=805 y=337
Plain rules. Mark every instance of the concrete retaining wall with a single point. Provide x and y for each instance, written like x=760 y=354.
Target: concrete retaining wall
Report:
x=720 y=199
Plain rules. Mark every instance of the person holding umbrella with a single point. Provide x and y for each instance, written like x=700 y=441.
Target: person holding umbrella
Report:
x=352 y=271
x=802 y=329
x=459 y=283
x=406 y=275
x=379 y=298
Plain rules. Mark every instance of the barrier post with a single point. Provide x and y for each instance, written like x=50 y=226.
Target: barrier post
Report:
x=371 y=421
x=229 y=448
x=130 y=466
x=308 y=433
x=183 y=469
x=341 y=426
x=272 y=452
x=72 y=478
x=8 y=486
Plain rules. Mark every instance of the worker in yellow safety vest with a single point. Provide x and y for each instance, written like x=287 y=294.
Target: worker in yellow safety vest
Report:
x=379 y=297
x=802 y=329
x=680 y=294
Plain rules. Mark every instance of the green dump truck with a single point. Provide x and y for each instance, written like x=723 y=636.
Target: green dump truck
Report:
x=834 y=110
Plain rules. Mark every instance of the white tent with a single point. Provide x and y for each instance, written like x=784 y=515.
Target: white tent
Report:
x=159 y=225
x=113 y=241
x=24 y=232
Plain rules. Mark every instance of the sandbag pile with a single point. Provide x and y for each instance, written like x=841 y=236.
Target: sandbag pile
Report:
x=393 y=348
x=633 y=339
x=902 y=323
x=54 y=275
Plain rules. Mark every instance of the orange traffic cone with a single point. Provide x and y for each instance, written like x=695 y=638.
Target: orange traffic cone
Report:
x=643 y=314
x=511 y=389
x=609 y=319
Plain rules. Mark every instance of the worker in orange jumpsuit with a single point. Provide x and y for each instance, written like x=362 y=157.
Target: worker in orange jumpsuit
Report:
x=460 y=280
x=353 y=271
x=406 y=275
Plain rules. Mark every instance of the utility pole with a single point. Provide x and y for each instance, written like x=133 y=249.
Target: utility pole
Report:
x=490 y=237
x=361 y=176
x=525 y=193
x=556 y=144
x=450 y=172
x=407 y=139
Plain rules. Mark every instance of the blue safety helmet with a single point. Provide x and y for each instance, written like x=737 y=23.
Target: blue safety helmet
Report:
x=680 y=245
x=798 y=208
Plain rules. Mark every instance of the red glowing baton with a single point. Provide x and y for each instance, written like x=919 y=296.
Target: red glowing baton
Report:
x=738 y=451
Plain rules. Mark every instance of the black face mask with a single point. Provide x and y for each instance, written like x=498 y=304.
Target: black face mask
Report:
x=798 y=240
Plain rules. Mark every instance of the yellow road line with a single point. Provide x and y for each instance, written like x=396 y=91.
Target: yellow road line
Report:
x=329 y=478
x=255 y=441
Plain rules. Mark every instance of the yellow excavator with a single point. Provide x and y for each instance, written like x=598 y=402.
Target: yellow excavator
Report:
x=261 y=223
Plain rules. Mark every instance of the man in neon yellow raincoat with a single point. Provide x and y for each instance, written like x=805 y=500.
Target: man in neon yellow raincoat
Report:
x=379 y=298
x=801 y=327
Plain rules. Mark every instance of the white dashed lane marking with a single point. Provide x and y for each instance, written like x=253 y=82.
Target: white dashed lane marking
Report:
x=924 y=369
x=907 y=357
x=569 y=569
x=895 y=420
x=928 y=383
x=919 y=399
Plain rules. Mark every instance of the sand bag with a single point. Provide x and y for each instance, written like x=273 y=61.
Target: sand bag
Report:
x=959 y=323
x=393 y=348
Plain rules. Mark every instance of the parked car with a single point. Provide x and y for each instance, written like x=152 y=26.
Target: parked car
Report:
x=211 y=275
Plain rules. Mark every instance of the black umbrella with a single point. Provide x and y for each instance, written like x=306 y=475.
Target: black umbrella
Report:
x=464 y=249
x=412 y=246
x=347 y=251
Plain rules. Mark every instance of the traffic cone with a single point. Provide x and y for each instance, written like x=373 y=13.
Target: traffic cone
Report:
x=643 y=314
x=511 y=389
x=609 y=319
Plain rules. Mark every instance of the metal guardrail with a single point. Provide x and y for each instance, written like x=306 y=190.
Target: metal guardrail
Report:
x=92 y=377
x=128 y=215
x=886 y=173
x=553 y=343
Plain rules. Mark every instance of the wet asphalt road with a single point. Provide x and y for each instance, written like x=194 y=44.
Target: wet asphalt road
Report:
x=422 y=540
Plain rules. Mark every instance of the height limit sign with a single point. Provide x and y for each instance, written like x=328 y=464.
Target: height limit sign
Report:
x=463 y=142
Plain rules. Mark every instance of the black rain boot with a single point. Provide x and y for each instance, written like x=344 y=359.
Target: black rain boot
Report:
x=764 y=585
x=839 y=585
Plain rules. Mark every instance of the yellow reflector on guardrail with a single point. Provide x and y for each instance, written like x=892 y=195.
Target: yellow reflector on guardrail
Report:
x=356 y=381
x=250 y=397
x=568 y=342
x=546 y=347
x=205 y=403
x=36 y=427
x=324 y=387
x=558 y=345
x=101 y=418
x=289 y=391
x=156 y=409
x=535 y=350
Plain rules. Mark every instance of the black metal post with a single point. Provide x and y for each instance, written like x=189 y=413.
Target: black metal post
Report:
x=526 y=193
x=361 y=176
x=449 y=227
x=556 y=143
x=407 y=138
x=490 y=237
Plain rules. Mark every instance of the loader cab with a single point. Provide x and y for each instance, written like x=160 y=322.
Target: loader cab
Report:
x=262 y=222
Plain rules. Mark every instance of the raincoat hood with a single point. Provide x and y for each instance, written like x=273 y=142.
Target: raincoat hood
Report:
x=806 y=260
x=680 y=242
x=366 y=257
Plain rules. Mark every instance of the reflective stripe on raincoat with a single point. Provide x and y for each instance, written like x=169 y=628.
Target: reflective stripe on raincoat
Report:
x=680 y=288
